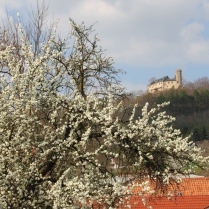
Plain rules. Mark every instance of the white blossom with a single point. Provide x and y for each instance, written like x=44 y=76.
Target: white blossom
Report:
x=57 y=151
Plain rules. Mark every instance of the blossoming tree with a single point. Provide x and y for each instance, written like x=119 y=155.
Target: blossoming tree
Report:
x=60 y=151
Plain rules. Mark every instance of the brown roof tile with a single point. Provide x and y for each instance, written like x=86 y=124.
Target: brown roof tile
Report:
x=183 y=202
x=188 y=186
x=191 y=193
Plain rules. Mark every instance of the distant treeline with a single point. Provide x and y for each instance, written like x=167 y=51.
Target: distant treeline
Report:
x=191 y=111
x=189 y=104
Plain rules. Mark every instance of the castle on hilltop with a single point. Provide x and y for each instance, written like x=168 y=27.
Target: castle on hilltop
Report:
x=166 y=83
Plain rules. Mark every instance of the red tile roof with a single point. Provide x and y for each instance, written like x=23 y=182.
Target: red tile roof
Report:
x=188 y=186
x=191 y=193
x=195 y=186
x=183 y=202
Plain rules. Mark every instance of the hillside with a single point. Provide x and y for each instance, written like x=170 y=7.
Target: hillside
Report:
x=189 y=104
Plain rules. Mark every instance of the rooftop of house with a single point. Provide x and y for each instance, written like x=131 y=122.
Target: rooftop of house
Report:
x=180 y=202
x=191 y=193
x=188 y=187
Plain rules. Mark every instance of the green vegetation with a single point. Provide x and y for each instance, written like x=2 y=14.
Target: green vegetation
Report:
x=189 y=105
x=190 y=109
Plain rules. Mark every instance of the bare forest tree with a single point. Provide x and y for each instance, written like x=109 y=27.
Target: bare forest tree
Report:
x=199 y=84
x=89 y=70
x=36 y=32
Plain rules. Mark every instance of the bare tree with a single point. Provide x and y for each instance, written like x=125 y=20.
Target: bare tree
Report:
x=35 y=32
x=87 y=68
x=200 y=83
x=36 y=28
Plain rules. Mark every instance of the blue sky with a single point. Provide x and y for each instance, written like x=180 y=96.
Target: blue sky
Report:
x=146 y=38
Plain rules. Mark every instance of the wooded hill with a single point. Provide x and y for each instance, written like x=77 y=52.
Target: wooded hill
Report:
x=189 y=104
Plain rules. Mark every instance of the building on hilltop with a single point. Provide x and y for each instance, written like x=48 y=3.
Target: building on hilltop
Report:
x=166 y=83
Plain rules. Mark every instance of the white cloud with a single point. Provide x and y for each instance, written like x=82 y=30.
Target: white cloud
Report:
x=198 y=52
x=205 y=6
x=192 y=32
x=142 y=33
x=137 y=31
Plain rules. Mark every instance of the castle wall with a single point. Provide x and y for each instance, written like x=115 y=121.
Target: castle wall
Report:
x=166 y=83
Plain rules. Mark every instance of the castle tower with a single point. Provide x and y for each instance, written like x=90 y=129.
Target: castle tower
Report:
x=179 y=77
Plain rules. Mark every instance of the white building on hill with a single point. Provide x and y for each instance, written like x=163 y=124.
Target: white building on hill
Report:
x=166 y=83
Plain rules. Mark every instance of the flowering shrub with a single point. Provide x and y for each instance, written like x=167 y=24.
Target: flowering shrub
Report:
x=67 y=152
